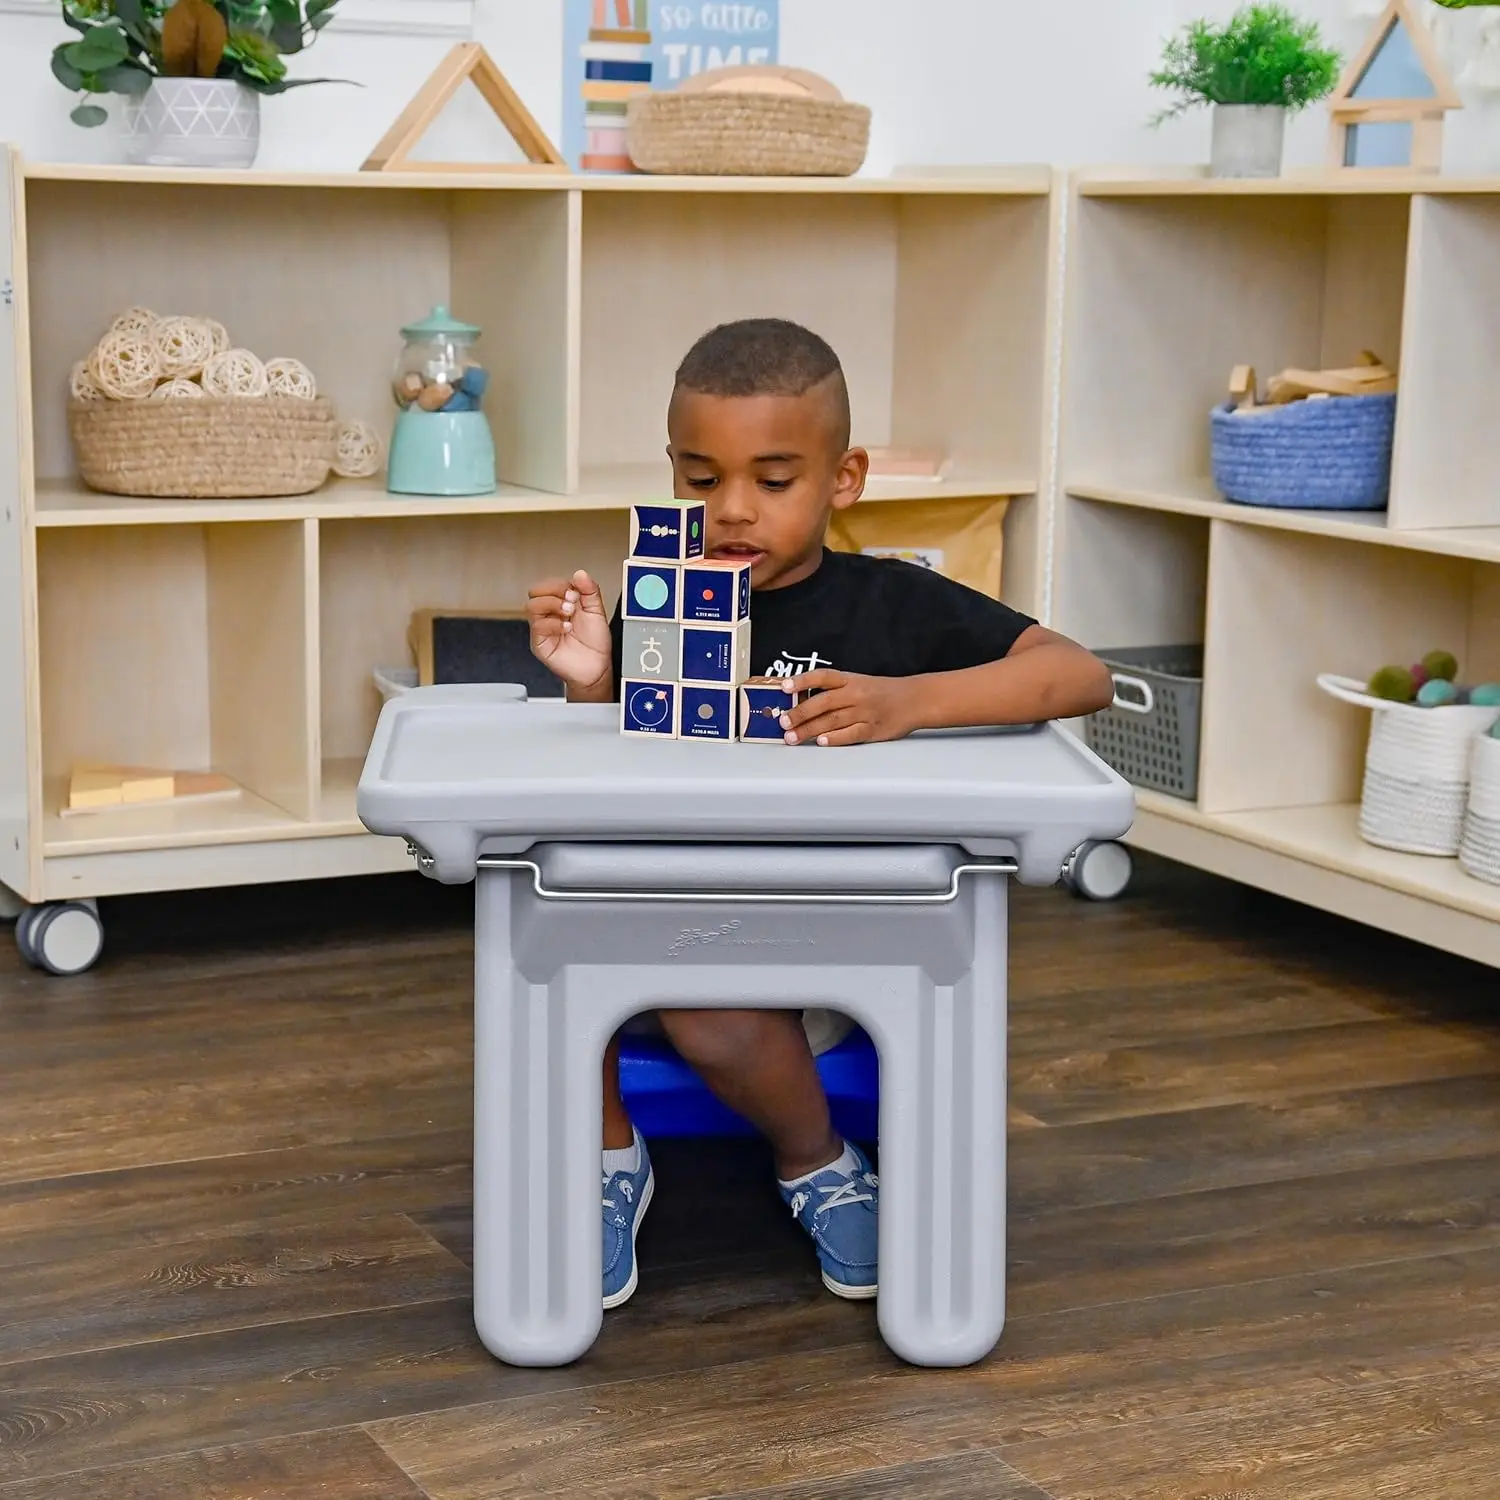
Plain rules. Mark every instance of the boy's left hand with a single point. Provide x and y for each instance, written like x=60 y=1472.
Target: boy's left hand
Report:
x=848 y=709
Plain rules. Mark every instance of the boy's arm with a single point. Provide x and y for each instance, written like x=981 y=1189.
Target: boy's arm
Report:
x=1044 y=676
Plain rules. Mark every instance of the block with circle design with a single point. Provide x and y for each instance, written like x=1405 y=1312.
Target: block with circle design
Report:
x=716 y=593
x=652 y=650
x=761 y=706
x=667 y=530
x=653 y=591
x=708 y=713
x=649 y=708
x=715 y=654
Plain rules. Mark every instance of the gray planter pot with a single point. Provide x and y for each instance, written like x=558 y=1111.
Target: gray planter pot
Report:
x=193 y=122
x=1247 y=140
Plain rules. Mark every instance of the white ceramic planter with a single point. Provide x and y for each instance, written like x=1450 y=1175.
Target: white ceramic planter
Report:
x=193 y=122
x=1247 y=140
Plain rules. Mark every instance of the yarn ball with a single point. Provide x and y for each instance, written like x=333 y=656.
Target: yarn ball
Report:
x=235 y=372
x=1485 y=695
x=290 y=377
x=134 y=320
x=124 y=365
x=183 y=346
x=81 y=384
x=178 y=390
x=1440 y=666
x=360 y=451
x=1394 y=683
x=1438 y=692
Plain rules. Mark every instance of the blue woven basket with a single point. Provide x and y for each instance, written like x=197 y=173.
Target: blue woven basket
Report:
x=1307 y=455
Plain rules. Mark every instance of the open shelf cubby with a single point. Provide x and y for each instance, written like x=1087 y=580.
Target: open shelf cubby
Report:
x=242 y=635
x=1171 y=282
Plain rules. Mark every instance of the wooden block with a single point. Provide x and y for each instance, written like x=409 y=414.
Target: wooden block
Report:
x=915 y=463
x=147 y=786
x=1242 y=386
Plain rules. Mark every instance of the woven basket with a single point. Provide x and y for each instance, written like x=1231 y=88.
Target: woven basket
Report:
x=1417 y=767
x=1332 y=454
x=734 y=134
x=1479 y=853
x=213 y=448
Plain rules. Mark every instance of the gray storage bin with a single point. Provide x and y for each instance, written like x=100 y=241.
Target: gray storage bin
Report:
x=1150 y=735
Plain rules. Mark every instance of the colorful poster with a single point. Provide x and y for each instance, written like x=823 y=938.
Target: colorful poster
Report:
x=613 y=49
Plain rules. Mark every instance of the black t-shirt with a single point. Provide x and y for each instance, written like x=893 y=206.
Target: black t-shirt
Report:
x=876 y=616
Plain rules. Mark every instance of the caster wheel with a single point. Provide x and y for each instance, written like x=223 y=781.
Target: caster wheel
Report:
x=64 y=937
x=24 y=923
x=1100 y=872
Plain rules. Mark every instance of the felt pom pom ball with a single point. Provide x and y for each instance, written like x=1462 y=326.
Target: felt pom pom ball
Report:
x=1440 y=666
x=1437 y=693
x=1486 y=695
x=1394 y=683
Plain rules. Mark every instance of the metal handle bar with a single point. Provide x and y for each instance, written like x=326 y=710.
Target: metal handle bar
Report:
x=818 y=898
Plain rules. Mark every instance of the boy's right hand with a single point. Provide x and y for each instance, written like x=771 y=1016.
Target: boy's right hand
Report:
x=570 y=629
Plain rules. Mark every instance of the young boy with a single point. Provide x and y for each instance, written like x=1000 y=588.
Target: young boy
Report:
x=758 y=427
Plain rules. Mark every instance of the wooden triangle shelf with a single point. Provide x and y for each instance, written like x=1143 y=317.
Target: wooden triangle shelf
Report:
x=467 y=62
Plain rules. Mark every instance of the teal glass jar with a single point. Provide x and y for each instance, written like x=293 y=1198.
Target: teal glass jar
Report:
x=442 y=443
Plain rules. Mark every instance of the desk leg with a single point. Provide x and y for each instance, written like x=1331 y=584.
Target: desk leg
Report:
x=537 y=1128
x=942 y=1158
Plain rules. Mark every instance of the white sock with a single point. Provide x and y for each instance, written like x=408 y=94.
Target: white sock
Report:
x=848 y=1164
x=628 y=1160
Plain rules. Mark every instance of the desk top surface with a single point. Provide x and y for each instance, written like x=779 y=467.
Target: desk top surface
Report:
x=458 y=772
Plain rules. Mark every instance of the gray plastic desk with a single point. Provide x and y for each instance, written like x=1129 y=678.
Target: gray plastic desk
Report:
x=617 y=875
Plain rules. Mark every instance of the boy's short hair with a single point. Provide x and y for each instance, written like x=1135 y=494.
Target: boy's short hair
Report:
x=767 y=357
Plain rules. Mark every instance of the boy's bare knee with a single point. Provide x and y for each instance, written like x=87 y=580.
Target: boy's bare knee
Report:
x=719 y=1038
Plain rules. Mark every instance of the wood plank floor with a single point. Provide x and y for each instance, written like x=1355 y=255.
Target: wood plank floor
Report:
x=1254 y=1254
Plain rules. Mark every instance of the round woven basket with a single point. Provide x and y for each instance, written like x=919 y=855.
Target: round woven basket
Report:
x=732 y=134
x=214 y=448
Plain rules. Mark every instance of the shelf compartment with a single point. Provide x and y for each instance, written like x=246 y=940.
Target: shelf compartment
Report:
x=1168 y=294
x=1200 y=498
x=346 y=270
x=936 y=305
x=1448 y=443
x=1129 y=577
x=1315 y=855
x=184 y=648
x=375 y=573
x=1284 y=607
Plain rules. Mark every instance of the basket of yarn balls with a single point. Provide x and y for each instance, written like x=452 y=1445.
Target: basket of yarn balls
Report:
x=1421 y=744
x=171 y=408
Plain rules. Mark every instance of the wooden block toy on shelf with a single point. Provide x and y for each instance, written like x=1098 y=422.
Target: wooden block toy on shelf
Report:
x=716 y=593
x=908 y=463
x=467 y=61
x=649 y=708
x=653 y=591
x=667 y=531
x=94 y=788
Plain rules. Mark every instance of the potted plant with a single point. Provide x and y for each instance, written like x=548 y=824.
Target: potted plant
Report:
x=190 y=72
x=1258 y=67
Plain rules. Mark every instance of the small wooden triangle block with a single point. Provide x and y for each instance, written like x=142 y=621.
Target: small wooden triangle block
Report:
x=467 y=62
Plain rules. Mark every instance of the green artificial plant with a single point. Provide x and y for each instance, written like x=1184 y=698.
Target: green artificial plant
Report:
x=123 y=46
x=1262 y=55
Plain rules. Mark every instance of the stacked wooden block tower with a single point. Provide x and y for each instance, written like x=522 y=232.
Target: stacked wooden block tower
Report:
x=686 y=621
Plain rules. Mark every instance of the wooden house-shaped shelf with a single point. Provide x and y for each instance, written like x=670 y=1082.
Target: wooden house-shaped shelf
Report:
x=1388 y=109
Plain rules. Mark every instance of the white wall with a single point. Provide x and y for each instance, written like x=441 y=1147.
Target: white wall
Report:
x=970 y=82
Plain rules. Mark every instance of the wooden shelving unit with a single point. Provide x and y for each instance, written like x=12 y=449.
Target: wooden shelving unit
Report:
x=242 y=634
x=1172 y=281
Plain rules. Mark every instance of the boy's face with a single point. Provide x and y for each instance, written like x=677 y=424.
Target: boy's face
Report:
x=770 y=471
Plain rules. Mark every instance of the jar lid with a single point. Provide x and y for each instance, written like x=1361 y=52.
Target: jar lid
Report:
x=438 y=323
